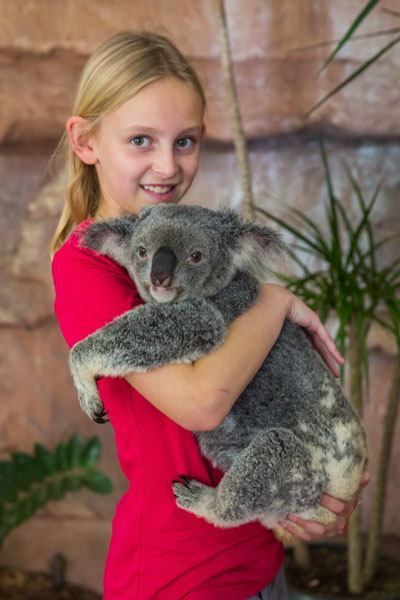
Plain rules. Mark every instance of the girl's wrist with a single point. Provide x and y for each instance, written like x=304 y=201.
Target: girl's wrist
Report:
x=277 y=296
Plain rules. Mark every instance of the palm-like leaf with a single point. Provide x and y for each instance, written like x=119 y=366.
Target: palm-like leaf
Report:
x=349 y=33
x=347 y=280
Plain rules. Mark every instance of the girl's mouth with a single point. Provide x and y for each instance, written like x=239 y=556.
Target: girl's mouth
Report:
x=162 y=193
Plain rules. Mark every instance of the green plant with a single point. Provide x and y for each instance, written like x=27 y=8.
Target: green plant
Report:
x=349 y=282
x=29 y=481
x=349 y=36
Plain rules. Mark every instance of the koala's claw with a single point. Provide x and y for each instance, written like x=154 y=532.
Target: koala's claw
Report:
x=93 y=407
x=187 y=492
x=186 y=479
x=101 y=416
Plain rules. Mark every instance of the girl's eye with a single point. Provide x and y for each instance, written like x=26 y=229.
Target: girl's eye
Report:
x=142 y=141
x=142 y=252
x=185 y=143
x=195 y=257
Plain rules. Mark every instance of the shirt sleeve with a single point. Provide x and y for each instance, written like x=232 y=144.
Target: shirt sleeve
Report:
x=90 y=291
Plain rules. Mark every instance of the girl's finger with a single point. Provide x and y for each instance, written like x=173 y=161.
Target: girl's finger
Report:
x=300 y=535
x=333 y=504
x=365 y=480
x=310 y=527
x=330 y=361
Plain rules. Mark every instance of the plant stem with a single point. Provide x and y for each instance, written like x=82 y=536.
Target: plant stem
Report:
x=301 y=555
x=378 y=499
x=354 y=575
x=234 y=111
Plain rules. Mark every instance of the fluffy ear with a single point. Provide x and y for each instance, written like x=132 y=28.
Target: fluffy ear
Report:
x=256 y=248
x=110 y=238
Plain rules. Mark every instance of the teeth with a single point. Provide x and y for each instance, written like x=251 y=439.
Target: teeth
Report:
x=158 y=189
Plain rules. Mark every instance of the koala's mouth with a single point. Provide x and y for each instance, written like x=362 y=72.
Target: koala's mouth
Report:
x=163 y=294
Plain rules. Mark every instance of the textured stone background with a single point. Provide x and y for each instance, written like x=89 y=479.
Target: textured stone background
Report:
x=43 y=46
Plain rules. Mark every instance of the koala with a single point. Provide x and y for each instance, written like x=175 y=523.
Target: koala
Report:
x=292 y=434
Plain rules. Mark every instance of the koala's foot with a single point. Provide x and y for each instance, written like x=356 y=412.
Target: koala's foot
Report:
x=93 y=406
x=191 y=494
x=202 y=501
x=86 y=387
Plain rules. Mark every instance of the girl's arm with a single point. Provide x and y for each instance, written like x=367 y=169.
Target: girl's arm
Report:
x=198 y=396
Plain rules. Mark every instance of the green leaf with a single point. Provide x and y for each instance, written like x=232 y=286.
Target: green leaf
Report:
x=73 y=483
x=23 y=510
x=55 y=489
x=61 y=454
x=293 y=230
x=353 y=76
x=46 y=459
x=74 y=449
x=24 y=473
x=40 y=496
x=90 y=453
x=8 y=490
x=353 y=26
x=98 y=482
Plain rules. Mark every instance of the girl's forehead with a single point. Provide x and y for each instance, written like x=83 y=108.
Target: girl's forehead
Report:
x=162 y=103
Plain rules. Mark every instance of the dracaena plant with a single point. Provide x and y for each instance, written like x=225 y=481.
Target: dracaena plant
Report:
x=29 y=481
x=349 y=36
x=348 y=283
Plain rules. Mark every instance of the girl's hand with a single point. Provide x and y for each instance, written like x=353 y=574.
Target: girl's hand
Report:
x=342 y=510
x=298 y=312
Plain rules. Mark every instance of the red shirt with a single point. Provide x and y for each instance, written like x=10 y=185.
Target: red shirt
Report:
x=157 y=550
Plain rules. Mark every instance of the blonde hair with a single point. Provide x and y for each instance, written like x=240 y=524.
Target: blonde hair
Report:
x=117 y=70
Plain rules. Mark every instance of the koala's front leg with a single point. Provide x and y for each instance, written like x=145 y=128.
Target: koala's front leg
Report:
x=237 y=297
x=142 y=339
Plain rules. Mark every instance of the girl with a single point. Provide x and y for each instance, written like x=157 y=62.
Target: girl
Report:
x=134 y=140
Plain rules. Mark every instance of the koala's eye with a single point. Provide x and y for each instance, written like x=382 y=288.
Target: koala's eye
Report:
x=142 y=252
x=195 y=257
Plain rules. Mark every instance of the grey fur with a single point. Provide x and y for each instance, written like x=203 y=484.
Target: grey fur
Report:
x=292 y=434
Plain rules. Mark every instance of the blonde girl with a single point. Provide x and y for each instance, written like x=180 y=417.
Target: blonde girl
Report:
x=134 y=140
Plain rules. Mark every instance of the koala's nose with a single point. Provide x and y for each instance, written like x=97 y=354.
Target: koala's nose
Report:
x=163 y=266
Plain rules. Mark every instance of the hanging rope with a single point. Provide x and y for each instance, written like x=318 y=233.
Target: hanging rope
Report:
x=234 y=112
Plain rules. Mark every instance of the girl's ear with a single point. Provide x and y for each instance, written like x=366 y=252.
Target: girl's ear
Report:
x=80 y=139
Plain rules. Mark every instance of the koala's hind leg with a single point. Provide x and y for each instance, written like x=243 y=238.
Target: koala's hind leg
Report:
x=275 y=475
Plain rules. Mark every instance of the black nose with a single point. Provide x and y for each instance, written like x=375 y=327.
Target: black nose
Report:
x=162 y=267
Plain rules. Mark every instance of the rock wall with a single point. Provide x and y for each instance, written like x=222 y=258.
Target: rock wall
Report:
x=42 y=49
x=45 y=43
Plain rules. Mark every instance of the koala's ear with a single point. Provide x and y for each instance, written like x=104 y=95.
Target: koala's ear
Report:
x=256 y=248
x=110 y=237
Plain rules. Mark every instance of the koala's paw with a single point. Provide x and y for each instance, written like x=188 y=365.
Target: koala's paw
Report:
x=93 y=407
x=189 y=493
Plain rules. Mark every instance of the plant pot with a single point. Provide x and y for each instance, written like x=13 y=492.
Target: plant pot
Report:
x=326 y=579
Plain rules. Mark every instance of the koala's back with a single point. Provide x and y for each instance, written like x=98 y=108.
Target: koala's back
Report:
x=293 y=389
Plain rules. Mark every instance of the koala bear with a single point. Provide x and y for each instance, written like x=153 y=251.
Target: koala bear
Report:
x=292 y=434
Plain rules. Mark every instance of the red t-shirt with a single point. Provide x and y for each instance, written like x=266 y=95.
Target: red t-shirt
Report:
x=157 y=550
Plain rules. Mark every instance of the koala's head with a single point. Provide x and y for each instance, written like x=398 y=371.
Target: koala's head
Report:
x=177 y=252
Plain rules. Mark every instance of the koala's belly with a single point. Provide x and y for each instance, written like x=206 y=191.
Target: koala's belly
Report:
x=285 y=394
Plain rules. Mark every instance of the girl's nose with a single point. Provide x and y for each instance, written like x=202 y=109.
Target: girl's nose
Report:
x=165 y=164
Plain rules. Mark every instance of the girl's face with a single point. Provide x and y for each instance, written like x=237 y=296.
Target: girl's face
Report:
x=147 y=150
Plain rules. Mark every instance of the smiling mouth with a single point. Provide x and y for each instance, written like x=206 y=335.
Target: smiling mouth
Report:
x=159 y=189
